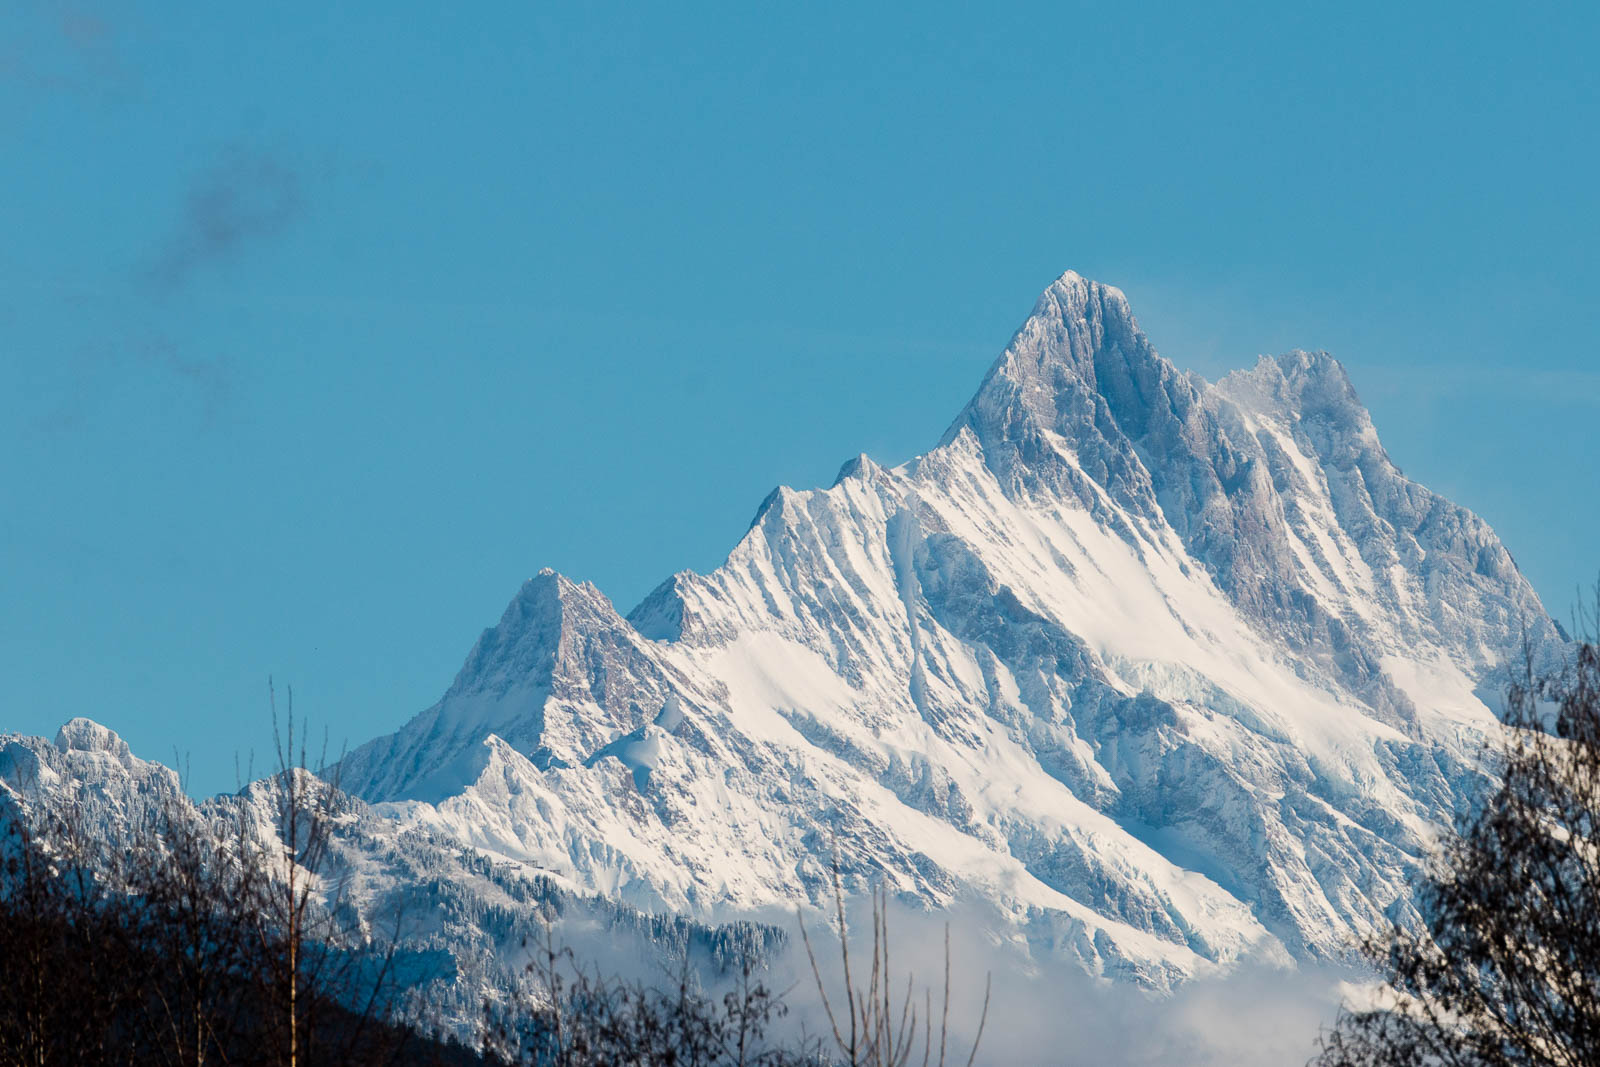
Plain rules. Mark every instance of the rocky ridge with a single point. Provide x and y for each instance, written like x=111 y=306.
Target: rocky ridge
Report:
x=1167 y=672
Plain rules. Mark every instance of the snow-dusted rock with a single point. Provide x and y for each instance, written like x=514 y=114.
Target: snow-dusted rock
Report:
x=460 y=920
x=1167 y=671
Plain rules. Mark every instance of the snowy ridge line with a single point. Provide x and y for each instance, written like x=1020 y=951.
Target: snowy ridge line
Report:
x=465 y=918
x=1161 y=673
x=1169 y=672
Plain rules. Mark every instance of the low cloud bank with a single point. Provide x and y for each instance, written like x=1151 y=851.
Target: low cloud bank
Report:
x=1042 y=1009
x=1047 y=1011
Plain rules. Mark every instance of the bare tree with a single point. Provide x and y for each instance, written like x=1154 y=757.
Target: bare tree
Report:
x=334 y=982
x=569 y=1016
x=189 y=937
x=867 y=1027
x=1507 y=971
x=188 y=884
x=70 y=970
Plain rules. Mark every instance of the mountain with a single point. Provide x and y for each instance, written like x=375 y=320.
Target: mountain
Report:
x=1168 y=672
x=459 y=921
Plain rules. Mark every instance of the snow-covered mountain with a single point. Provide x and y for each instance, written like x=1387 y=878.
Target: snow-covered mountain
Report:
x=460 y=921
x=1167 y=671
x=1159 y=673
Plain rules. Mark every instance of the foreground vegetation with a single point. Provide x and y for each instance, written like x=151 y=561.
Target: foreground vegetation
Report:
x=1507 y=970
x=186 y=942
x=192 y=956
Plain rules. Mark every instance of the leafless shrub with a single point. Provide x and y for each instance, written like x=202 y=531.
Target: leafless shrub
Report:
x=1507 y=971
x=188 y=939
x=867 y=1026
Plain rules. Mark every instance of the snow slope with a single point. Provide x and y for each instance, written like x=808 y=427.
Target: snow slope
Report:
x=1168 y=671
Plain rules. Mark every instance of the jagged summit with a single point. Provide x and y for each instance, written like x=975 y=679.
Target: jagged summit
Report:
x=1168 y=671
x=86 y=735
x=557 y=677
x=860 y=466
x=1295 y=383
x=1074 y=294
x=86 y=760
x=1054 y=351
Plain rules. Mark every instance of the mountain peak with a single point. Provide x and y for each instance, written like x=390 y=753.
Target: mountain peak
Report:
x=1215 y=612
x=1072 y=287
x=1074 y=316
x=861 y=466
x=86 y=735
x=1078 y=377
x=548 y=609
x=1299 y=384
x=548 y=582
x=543 y=598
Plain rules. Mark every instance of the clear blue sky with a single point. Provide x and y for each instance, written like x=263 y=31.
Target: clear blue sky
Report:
x=324 y=325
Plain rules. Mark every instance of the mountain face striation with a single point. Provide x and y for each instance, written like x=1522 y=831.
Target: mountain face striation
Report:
x=1168 y=672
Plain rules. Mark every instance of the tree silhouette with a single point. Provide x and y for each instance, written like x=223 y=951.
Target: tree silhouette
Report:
x=189 y=936
x=1507 y=971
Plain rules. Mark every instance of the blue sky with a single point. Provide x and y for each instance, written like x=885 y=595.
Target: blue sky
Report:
x=324 y=325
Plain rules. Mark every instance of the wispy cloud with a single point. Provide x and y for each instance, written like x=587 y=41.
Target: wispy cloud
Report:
x=135 y=328
x=66 y=47
x=246 y=196
x=206 y=381
x=101 y=376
